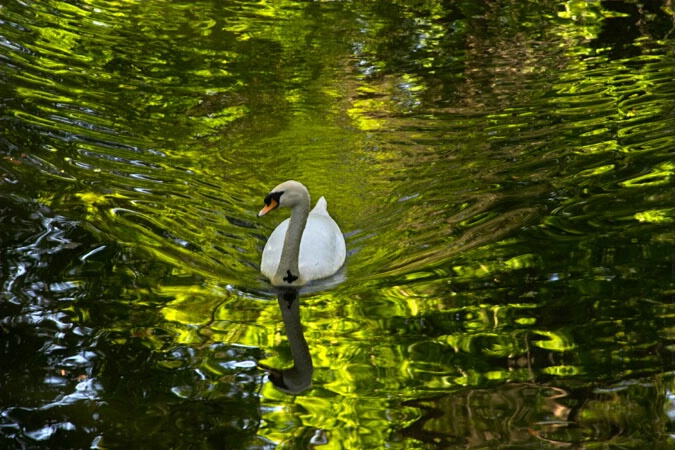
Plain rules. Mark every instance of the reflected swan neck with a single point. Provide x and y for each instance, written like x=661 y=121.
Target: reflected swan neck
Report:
x=299 y=377
x=290 y=313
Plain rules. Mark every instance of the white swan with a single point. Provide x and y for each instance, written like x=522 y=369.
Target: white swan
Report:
x=306 y=247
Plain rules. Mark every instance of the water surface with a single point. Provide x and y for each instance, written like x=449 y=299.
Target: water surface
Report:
x=502 y=173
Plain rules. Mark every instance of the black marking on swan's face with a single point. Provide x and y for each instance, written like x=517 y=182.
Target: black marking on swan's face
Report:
x=276 y=196
x=289 y=278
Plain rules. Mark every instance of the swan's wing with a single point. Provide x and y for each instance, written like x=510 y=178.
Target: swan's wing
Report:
x=322 y=249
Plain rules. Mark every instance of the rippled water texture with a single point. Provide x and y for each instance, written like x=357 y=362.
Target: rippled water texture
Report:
x=502 y=171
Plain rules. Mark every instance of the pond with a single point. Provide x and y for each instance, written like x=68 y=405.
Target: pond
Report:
x=502 y=173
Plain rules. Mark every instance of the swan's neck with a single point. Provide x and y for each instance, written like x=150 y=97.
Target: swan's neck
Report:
x=287 y=272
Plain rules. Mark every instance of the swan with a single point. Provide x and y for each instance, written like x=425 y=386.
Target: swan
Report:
x=308 y=246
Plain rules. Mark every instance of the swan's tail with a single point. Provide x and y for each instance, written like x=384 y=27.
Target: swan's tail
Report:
x=321 y=207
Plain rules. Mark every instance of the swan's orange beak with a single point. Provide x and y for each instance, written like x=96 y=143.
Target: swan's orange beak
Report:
x=272 y=205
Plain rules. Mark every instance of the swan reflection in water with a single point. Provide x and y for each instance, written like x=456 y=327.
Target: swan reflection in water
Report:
x=298 y=378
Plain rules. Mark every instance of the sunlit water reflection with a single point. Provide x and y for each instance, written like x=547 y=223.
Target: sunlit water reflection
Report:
x=503 y=176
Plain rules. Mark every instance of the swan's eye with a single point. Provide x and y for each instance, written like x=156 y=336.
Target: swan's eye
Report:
x=273 y=196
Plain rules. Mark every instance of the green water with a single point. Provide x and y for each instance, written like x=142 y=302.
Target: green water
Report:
x=502 y=171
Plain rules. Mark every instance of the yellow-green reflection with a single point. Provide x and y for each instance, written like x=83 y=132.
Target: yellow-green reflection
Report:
x=501 y=175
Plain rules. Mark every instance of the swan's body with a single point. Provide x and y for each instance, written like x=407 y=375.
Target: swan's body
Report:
x=306 y=247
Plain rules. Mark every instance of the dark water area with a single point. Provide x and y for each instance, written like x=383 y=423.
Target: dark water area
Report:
x=502 y=171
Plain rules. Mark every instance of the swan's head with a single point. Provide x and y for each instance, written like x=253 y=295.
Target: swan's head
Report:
x=288 y=194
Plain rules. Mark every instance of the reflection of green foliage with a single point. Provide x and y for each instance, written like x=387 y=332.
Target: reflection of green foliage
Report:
x=484 y=158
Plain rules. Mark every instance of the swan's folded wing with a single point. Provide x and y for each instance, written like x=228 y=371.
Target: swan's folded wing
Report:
x=322 y=249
